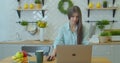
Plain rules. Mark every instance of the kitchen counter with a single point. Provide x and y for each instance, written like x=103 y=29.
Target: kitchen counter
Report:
x=50 y=42
x=108 y=43
x=46 y=42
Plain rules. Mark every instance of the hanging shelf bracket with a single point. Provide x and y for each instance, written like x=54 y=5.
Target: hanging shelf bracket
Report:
x=19 y=13
x=43 y=13
x=114 y=10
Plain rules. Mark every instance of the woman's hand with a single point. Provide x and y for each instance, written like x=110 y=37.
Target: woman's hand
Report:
x=52 y=56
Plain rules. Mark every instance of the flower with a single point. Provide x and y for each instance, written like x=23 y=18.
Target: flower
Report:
x=41 y=24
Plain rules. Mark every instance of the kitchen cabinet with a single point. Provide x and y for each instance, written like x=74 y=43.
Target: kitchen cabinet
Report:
x=110 y=51
x=115 y=53
x=10 y=50
x=1 y=51
x=101 y=50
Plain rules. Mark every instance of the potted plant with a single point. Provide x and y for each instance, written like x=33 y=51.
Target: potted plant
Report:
x=105 y=4
x=105 y=37
x=101 y=24
x=38 y=3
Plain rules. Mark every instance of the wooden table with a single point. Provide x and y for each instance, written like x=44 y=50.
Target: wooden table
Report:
x=94 y=60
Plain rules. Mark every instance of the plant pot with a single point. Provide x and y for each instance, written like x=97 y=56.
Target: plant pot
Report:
x=104 y=39
x=38 y=6
x=105 y=4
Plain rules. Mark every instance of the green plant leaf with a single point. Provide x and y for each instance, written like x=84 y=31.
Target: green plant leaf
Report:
x=101 y=27
x=105 y=33
x=24 y=23
x=115 y=32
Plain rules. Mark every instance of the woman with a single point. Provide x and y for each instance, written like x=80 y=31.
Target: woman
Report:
x=71 y=33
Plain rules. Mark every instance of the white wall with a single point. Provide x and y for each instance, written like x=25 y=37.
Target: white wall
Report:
x=9 y=29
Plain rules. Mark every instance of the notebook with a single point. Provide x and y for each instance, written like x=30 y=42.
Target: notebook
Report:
x=74 y=53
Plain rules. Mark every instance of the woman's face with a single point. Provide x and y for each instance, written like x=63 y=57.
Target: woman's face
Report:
x=74 y=18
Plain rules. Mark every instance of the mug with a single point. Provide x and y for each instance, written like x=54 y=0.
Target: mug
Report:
x=39 y=56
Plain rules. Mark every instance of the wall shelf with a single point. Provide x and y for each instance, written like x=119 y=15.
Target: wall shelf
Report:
x=110 y=8
x=29 y=9
x=113 y=1
x=19 y=9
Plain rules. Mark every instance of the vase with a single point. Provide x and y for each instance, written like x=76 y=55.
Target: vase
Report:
x=41 y=34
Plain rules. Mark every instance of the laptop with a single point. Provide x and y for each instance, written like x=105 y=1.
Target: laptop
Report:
x=74 y=53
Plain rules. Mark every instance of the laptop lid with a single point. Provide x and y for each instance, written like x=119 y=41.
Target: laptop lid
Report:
x=74 y=53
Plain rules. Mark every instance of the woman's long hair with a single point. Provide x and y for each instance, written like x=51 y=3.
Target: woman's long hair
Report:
x=76 y=9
